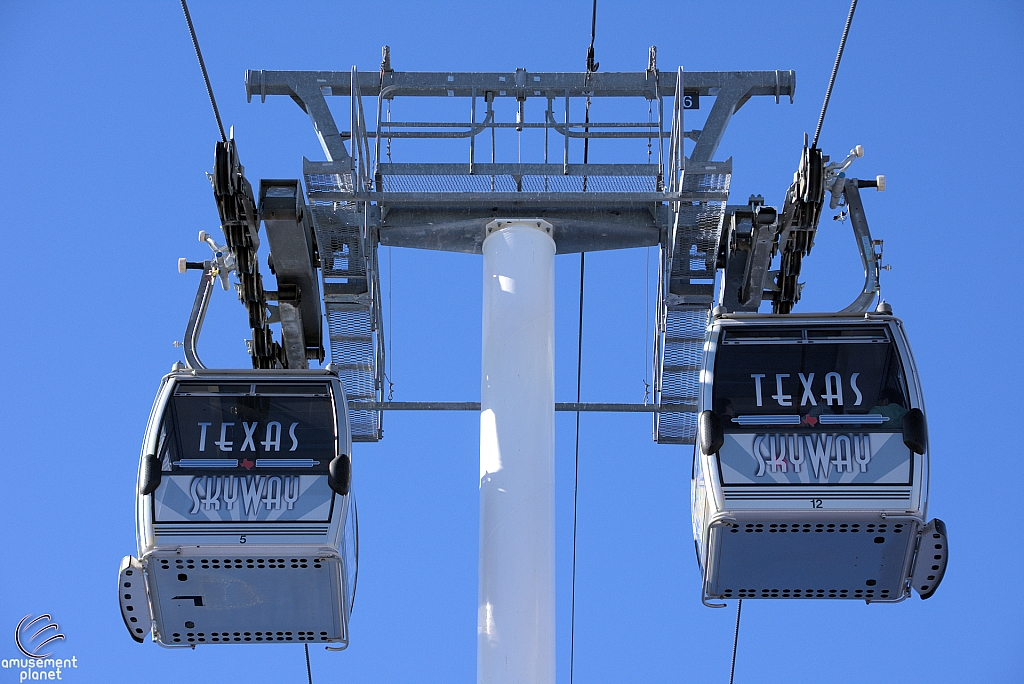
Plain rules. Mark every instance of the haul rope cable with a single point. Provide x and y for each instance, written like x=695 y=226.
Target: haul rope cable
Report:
x=223 y=138
x=591 y=68
x=576 y=484
x=817 y=132
x=835 y=70
x=735 y=640
x=202 y=65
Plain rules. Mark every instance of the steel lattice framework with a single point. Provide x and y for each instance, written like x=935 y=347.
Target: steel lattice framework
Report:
x=358 y=200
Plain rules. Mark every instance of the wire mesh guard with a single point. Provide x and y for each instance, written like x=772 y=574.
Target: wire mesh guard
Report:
x=686 y=307
x=352 y=313
x=680 y=373
x=352 y=343
x=327 y=182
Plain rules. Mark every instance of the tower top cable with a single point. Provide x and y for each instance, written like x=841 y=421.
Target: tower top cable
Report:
x=202 y=65
x=832 y=79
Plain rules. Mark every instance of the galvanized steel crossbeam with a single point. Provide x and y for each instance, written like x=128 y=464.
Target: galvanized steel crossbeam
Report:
x=510 y=84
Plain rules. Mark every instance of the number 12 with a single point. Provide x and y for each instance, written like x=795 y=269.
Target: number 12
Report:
x=815 y=503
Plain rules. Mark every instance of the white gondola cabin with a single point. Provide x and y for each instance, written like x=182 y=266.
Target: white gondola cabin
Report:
x=811 y=467
x=245 y=519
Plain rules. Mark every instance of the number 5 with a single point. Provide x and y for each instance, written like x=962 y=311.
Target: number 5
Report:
x=241 y=540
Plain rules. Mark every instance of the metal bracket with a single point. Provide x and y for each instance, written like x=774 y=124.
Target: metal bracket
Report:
x=195 y=319
x=746 y=254
x=292 y=260
x=240 y=224
x=859 y=223
x=289 y=315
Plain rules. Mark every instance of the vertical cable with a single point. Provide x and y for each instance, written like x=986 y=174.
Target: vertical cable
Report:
x=647 y=321
x=591 y=64
x=576 y=485
x=309 y=672
x=389 y=130
x=735 y=640
x=591 y=68
x=391 y=329
x=202 y=65
x=586 y=138
x=835 y=70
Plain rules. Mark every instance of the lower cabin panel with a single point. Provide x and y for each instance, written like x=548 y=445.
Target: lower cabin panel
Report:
x=864 y=561
x=245 y=599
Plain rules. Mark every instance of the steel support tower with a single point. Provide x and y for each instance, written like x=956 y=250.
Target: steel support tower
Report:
x=472 y=199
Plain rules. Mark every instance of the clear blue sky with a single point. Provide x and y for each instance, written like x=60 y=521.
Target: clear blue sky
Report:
x=105 y=135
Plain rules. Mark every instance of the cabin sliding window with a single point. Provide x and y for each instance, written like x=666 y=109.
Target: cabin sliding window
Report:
x=272 y=424
x=808 y=372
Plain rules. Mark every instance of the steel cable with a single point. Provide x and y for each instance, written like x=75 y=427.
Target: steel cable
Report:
x=591 y=68
x=735 y=640
x=309 y=672
x=591 y=64
x=202 y=65
x=835 y=70
x=391 y=331
x=647 y=322
x=576 y=484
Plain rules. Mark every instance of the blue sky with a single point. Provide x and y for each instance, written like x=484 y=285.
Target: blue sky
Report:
x=107 y=133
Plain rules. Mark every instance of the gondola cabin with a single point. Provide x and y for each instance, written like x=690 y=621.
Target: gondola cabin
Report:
x=245 y=519
x=811 y=467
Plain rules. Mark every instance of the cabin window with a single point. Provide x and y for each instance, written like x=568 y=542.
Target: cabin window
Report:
x=809 y=372
x=249 y=428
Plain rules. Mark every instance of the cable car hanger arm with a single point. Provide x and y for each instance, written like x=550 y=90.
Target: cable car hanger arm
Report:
x=744 y=251
x=199 y=307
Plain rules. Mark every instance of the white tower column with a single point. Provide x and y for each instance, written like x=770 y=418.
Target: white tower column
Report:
x=516 y=619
